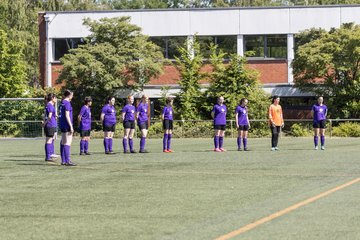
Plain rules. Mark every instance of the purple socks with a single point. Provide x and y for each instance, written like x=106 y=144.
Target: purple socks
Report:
x=82 y=146
x=322 y=139
x=62 y=153
x=108 y=145
x=216 y=142
x=125 y=144
x=67 y=153
x=169 y=141
x=316 y=141
x=165 y=140
x=221 y=141
x=239 y=142
x=245 y=142
x=86 y=146
x=48 y=151
x=142 y=143
x=131 y=144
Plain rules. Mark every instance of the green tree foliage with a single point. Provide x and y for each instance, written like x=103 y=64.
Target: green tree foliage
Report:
x=334 y=60
x=116 y=55
x=12 y=68
x=189 y=65
x=234 y=81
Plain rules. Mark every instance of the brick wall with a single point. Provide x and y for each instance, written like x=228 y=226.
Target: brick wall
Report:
x=42 y=48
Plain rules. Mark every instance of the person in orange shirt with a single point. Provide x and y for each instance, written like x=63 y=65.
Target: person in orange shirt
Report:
x=276 y=122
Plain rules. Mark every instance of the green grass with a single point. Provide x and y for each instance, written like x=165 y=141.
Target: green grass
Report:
x=190 y=194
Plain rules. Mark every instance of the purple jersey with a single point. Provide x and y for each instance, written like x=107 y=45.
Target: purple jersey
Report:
x=109 y=115
x=219 y=114
x=142 y=109
x=85 y=123
x=129 y=111
x=320 y=112
x=168 y=113
x=65 y=106
x=242 y=115
x=52 y=121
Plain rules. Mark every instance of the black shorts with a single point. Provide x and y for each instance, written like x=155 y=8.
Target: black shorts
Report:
x=168 y=124
x=220 y=127
x=109 y=128
x=243 y=128
x=85 y=133
x=65 y=130
x=143 y=125
x=50 y=131
x=319 y=124
x=129 y=124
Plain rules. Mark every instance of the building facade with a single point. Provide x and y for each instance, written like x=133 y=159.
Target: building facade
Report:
x=269 y=32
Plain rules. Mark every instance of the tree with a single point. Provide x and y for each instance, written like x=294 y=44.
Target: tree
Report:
x=12 y=68
x=234 y=81
x=330 y=66
x=116 y=55
x=189 y=65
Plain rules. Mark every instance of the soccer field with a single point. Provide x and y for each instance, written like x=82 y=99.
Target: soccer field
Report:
x=193 y=193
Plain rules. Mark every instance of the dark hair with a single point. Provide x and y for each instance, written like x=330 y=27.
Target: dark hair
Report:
x=169 y=99
x=242 y=101
x=274 y=98
x=109 y=99
x=67 y=93
x=50 y=97
x=87 y=100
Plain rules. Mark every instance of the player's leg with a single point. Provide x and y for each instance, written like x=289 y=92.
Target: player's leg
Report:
x=125 y=138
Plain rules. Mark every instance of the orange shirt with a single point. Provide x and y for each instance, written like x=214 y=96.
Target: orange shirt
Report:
x=276 y=115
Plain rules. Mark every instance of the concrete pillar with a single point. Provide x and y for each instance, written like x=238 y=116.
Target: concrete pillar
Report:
x=240 y=45
x=290 y=56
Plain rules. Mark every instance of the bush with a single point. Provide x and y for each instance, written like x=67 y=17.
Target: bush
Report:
x=348 y=129
x=298 y=130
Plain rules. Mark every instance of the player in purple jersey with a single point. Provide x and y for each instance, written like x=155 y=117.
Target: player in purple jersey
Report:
x=319 y=112
x=242 y=123
x=66 y=127
x=167 y=117
x=128 y=117
x=142 y=121
x=50 y=125
x=219 y=115
x=84 y=120
x=108 y=119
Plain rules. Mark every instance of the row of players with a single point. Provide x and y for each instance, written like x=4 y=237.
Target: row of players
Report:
x=132 y=115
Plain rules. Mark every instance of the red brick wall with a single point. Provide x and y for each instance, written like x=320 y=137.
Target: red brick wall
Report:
x=270 y=72
x=55 y=72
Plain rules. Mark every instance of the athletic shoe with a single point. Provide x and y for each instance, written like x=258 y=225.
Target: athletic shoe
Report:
x=82 y=153
x=63 y=163
x=316 y=148
x=54 y=156
x=217 y=150
x=222 y=149
x=70 y=164
x=165 y=151
x=107 y=152
x=277 y=149
x=87 y=153
x=126 y=152
x=143 y=151
x=246 y=149
x=170 y=151
x=112 y=152
x=322 y=147
x=239 y=149
x=50 y=161
x=133 y=151
x=272 y=149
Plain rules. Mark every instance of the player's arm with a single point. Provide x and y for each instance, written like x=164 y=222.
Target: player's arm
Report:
x=247 y=117
x=67 y=115
x=237 y=120
x=48 y=119
x=270 y=116
x=281 y=117
x=123 y=115
x=213 y=113
x=102 y=115
x=79 y=119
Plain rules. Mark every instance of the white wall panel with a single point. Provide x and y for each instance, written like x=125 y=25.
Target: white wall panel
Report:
x=350 y=15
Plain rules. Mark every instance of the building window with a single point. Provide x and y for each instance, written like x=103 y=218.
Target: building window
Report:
x=228 y=44
x=266 y=46
x=169 y=45
x=62 y=46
